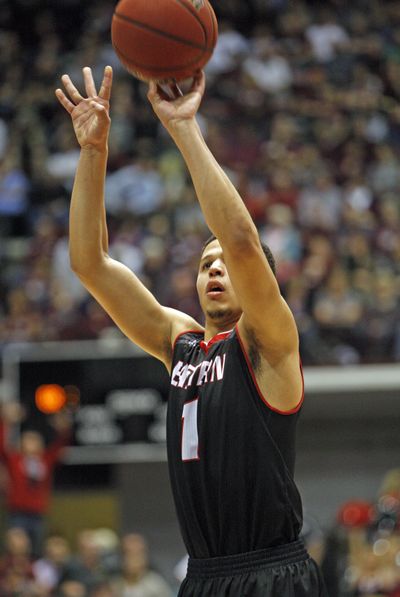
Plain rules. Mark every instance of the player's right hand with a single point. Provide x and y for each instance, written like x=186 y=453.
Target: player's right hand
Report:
x=182 y=107
x=90 y=115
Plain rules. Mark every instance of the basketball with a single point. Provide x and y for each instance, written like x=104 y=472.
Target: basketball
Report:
x=164 y=39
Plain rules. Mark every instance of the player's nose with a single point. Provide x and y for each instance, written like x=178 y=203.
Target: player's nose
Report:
x=216 y=269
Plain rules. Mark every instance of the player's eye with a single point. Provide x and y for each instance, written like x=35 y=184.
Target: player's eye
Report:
x=206 y=265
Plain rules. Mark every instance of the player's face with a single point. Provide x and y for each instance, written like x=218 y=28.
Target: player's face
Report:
x=216 y=294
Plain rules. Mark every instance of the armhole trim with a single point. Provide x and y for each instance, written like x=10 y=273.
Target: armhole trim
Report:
x=293 y=410
x=183 y=333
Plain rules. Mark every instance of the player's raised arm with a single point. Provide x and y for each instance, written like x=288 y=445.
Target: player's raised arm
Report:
x=265 y=313
x=133 y=308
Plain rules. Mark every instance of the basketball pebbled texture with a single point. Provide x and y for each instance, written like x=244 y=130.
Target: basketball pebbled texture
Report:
x=164 y=39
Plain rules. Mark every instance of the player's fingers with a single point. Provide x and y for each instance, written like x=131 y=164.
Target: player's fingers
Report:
x=64 y=101
x=71 y=89
x=105 y=89
x=152 y=91
x=89 y=82
x=199 y=82
x=175 y=90
x=156 y=93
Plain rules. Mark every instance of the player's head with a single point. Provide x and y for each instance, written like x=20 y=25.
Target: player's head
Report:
x=216 y=294
x=32 y=443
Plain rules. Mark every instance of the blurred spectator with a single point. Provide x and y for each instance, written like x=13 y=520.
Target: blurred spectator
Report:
x=3 y=138
x=302 y=112
x=339 y=312
x=49 y=569
x=382 y=317
x=135 y=188
x=326 y=35
x=30 y=467
x=107 y=542
x=86 y=566
x=72 y=588
x=136 y=578
x=61 y=164
x=102 y=590
x=284 y=240
x=361 y=552
x=320 y=204
x=384 y=173
x=14 y=197
x=16 y=573
x=267 y=66
x=391 y=484
x=231 y=47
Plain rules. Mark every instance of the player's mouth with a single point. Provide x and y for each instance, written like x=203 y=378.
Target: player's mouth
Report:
x=214 y=289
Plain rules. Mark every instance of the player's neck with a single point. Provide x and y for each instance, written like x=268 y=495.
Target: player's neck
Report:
x=212 y=329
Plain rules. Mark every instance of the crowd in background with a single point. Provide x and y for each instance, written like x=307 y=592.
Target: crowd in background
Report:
x=301 y=110
x=101 y=565
x=359 y=557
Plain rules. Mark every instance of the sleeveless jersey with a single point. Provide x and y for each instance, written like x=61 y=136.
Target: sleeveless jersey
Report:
x=231 y=455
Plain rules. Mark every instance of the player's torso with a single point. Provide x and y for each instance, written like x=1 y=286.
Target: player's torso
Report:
x=232 y=485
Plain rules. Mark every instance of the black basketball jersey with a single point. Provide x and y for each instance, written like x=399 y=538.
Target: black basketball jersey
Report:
x=231 y=455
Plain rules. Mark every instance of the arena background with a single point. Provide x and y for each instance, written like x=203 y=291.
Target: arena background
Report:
x=302 y=111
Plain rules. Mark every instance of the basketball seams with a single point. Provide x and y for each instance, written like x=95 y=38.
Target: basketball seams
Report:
x=153 y=44
x=214 y=25
x=160 y=32
x=194 y=14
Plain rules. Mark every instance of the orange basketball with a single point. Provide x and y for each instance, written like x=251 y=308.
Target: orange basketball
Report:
x=164 y=39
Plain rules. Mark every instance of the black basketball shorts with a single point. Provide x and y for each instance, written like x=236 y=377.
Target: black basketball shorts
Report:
x=284 y=571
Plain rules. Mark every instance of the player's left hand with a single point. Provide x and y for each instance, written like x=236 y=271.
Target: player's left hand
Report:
x=90 y=115
x=173 y=110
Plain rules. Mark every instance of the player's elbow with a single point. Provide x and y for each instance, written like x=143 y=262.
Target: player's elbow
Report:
x=243 y=240
x=77 y=265
x=84 y=266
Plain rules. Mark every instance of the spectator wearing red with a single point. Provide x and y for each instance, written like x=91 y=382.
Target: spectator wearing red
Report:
x=30 y=470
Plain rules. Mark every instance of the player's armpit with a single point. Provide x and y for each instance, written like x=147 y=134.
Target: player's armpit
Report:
x=279 y=382
x=264 y=309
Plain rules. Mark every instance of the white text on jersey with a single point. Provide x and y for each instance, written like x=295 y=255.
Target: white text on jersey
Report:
x=184 y=376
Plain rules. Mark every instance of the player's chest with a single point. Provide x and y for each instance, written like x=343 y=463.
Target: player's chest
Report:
x=206 y=396
x=199 y=373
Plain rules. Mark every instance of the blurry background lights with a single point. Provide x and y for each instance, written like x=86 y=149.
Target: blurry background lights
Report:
x=50 y=398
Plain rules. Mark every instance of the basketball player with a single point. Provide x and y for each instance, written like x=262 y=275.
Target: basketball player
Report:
x=236 y=384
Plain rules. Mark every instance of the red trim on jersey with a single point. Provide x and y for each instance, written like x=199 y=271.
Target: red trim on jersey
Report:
x=186 y=332
x=292 y=411
x=221 y=336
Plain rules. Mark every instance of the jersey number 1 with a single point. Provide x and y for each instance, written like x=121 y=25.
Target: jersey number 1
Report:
x=190 y=434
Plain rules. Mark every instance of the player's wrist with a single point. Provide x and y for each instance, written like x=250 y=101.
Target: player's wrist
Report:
x=181 y=128
x=94 y=150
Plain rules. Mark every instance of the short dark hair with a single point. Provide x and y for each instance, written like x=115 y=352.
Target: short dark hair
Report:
x=265 y=248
